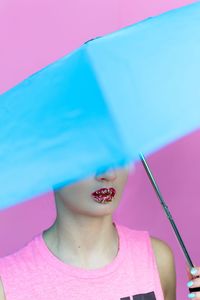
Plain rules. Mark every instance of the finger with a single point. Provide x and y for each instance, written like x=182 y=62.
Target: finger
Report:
x=188 y=272
x=194 y=283
x=192 y=272
x=195 y=271
x=194 y=296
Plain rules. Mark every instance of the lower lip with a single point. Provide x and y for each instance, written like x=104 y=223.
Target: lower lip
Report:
x=104 y=199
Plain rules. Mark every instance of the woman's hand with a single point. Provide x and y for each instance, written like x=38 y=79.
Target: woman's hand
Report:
x=194 y=282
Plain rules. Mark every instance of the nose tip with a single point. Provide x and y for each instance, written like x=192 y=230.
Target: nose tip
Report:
x=108 y=175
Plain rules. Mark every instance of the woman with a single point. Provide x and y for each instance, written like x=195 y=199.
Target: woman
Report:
x=84 y=255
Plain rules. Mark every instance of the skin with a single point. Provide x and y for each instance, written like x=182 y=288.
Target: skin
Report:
x=195 y=280
x=83 y=234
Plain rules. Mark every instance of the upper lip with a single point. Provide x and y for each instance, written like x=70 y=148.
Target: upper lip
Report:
x=105 y=191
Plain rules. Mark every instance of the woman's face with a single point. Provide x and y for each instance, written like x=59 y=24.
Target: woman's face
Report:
x=78 y=199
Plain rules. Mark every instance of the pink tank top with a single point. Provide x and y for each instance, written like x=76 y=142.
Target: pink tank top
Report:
x=34 y=273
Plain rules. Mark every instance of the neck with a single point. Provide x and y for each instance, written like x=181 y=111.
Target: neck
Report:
x=83 y=241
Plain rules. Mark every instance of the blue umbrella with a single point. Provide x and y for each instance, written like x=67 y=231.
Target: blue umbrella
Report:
x=131 y=91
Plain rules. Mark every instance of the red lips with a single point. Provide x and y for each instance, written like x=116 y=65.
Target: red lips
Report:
x=104 y=195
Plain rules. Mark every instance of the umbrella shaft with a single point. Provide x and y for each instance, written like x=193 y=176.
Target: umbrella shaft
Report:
x=169 y=216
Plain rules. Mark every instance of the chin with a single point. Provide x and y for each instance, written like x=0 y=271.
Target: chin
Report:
x=103 y=209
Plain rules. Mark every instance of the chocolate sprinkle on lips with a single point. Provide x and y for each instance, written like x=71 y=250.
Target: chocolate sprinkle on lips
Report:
x=104 y=195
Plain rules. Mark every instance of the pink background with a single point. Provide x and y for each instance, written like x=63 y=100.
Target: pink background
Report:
x=35 y=33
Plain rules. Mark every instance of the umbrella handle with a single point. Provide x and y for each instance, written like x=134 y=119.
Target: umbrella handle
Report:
x=192 y=290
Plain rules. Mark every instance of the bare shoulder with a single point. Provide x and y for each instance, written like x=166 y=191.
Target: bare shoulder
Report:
x=2 y=295
x=166 y=267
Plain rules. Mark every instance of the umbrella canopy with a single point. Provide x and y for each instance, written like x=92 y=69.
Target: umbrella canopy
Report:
x=130 y=91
